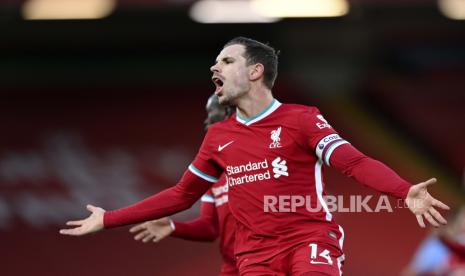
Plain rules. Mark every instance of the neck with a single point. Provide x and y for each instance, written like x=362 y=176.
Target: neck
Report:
x=254 y=103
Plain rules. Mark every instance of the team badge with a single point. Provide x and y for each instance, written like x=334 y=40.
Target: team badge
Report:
x=275 y=138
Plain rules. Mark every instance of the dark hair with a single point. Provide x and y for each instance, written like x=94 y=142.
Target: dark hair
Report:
x=216 y=112
x=257 y=52
x=228 y=110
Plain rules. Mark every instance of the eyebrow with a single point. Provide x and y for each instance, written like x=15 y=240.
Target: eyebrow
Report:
x=226 y=59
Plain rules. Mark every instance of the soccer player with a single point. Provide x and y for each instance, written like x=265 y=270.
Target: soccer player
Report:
x=215 y=218
x=269 y=152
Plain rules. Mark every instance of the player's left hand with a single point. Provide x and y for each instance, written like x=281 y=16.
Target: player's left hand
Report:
x=154 y=230
x=422 y=204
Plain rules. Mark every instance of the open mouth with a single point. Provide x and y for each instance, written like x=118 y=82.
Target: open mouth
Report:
x=218 y=84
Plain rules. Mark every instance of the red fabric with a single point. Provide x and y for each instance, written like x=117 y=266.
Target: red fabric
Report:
x=204 y=228
x=280 y=153
x=455 y=247
x=270 y=157
x=277 y=155
x=227 y=226
x=170 y=201
x=303 y=263
x=215 y=219
x=368 y=171
x=456 y=263
x=305 y=259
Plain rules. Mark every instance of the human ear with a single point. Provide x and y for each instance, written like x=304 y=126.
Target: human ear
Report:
x=256 y=71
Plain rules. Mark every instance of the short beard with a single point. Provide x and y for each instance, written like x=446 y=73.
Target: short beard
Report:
x=230 y=100
x=224 y=101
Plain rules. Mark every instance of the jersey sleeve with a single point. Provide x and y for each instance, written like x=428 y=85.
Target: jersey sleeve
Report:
x=334 y=151
x=369 y=172
x=203 y=228
x=319 y=134
x=170 y=201
x=204 y=165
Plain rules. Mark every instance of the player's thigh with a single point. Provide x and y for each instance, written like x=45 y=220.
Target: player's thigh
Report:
x=259 y=270
x=314 y=258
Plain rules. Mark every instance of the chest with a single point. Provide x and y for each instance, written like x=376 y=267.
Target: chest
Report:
x=259 y=143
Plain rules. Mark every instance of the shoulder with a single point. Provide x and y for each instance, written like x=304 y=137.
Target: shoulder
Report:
x=295 y=109
x=298 y=112
x=304 y=118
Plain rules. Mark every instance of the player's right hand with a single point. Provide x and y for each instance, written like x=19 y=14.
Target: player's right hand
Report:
x=154 y=230
x=92 y=223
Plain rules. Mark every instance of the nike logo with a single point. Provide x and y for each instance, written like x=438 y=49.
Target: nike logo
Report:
x=221 y=147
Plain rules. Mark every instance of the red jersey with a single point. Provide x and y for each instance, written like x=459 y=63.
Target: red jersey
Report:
x=226 y=220
x=215 y=218
x=278 y=153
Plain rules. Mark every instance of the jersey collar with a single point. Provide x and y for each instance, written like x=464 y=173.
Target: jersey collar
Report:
x=268 y=110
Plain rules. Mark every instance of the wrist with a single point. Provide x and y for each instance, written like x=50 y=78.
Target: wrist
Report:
x=172 y=225
x=106 y=219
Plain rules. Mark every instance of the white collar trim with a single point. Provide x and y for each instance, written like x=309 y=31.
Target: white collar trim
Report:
x=270 y=109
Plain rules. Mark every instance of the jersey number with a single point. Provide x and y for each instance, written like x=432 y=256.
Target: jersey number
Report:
x=314 y=255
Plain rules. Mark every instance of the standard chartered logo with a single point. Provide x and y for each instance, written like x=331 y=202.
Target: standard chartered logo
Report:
x=256 y=171
x=279 y=167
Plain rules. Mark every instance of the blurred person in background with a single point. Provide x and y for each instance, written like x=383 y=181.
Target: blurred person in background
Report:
x=442 y=253
x=215 y=218
x=272 y=150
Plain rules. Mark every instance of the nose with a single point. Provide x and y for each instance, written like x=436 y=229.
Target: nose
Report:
x=214 y=68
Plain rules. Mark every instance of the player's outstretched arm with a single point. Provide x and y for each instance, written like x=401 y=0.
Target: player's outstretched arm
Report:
x=422 y=204
x=170 y=201
x=378 y=176
x=203 y=228
x=155 y=230
x=92 y=223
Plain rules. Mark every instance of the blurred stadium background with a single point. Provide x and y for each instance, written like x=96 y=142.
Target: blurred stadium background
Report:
x=106 y=104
